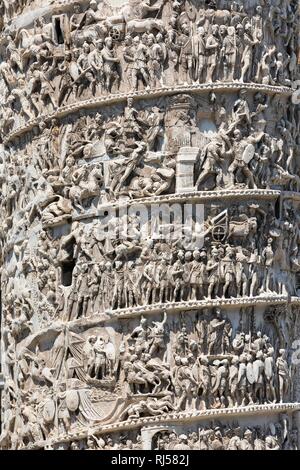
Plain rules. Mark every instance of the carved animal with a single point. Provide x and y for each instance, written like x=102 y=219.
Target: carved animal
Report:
x=88 y=184
x=145 y=26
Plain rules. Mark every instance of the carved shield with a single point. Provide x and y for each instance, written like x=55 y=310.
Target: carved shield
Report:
x=268 y=368
x=72 y=400
x=250 y=373
x=74 y=71
x=272 y=429
x=256 y=370
x=49 y=411
x=191 y=12
x=248 y=153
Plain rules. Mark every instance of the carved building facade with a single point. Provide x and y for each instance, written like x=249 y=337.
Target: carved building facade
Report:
x=121 y=333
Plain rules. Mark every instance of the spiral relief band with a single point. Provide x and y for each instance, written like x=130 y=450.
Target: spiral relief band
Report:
x=150 y=227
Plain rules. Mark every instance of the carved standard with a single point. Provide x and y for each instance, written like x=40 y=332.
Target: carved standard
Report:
x=147 y=341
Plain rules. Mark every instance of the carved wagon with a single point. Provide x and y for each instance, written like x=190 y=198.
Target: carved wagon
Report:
x=116 y=27
x=221 y=227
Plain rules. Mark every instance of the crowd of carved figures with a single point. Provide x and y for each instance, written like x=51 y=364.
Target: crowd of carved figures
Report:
x=80 y=54
x=202 y=362
x=100 y=321
x=216 y=436
x=224 y=437
x=245 y=252
x=215 y=370
x=129 y=152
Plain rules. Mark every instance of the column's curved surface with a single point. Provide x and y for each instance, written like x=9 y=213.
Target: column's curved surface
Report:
x=150 y=264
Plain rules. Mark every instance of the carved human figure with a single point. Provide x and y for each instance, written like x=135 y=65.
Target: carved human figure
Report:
x=229 y=52
x=212 y=51
x=200 y=47
x=139 y=68
x=215 y=333
x=270 y=375
x=283 y=374
x=268 y=258
x=214 y=273
x=111 y=62
x=157 y=336
x=198 y=277
x=184 y=41
x=246 y=60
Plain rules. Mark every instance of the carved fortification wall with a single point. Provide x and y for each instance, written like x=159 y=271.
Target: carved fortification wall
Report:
x=120 y=328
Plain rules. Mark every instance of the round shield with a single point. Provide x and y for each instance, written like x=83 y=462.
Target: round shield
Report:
x=250 y=373
x=49 y=411
x=72 y=400
x=248 y=153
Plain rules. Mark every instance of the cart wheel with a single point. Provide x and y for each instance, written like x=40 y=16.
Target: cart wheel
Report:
x=115 y=34
x=219 y=233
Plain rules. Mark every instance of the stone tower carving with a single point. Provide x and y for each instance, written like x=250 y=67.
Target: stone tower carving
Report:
x=150 y=224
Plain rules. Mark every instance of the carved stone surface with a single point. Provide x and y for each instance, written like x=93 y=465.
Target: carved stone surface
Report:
x=120 y=328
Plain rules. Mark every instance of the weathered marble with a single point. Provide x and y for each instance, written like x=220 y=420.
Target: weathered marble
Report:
x=150 y=225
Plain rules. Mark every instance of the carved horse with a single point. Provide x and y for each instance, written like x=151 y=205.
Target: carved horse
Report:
x=86 y=184
x=32 y=44
x=145 y=26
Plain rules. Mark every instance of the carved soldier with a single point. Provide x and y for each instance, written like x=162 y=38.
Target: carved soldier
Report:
x=198 y=277
x=184 y=41
x=69 y=74
x=212 y=51
x=131 y=284
x=111 y=62
x=259 y=369
x=163 y=281
x=101 y=361
x=211 y=163
x=200 y=49
x=157 y=336
x=76 y=18
x=148 y=282
x=268 y=259
x=94 y=280
x=269 y=376
x=242 y=380
x=226 y=340
x=283 y=374
x=204 y=382
x=233 y=382
x=215 y=333
x=177 y=275
x=246 y=60
x=155 y=61
x=246 y=443
x=141 y=334
x=228 y=263
x=214 y=273
x=107 y=286
x=243 y=153
x=220 y=385
x=229 y=53
x=128 y=56
x=118 y=298
x=139 y=68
